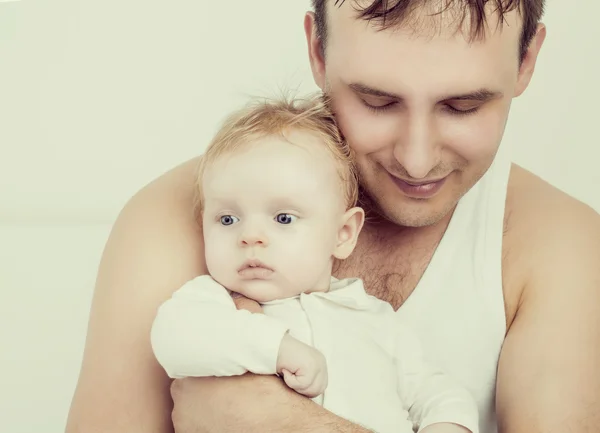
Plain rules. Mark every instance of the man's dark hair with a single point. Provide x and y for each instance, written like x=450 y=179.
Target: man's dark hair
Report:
x=391 y=13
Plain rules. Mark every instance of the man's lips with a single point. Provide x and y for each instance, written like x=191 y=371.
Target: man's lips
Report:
x=421 y=182
x=419 y=189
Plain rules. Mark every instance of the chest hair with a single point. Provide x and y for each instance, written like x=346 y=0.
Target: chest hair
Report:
x=390 y=268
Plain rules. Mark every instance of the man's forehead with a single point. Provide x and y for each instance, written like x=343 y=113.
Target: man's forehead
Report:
x=358 y=50
x=423 y=18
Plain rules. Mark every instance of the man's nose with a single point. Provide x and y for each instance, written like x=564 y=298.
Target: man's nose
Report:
x=417 y=148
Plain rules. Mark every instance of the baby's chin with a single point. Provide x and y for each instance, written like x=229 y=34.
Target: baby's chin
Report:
x=262 y=290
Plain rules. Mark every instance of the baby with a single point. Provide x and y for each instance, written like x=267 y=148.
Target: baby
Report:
x=277 y=201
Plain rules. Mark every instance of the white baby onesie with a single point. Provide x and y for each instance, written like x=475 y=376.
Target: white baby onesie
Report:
x=376 y=374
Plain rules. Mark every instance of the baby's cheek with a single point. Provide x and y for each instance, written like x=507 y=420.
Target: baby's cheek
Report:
x=309 y=259
x=218 y=256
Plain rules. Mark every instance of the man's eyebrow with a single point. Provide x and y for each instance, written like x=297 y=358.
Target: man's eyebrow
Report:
x=478 y=95
x=367 y=90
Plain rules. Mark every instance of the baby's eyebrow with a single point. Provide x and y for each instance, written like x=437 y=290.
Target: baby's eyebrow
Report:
x=214 y=203
x=290 y=201
x=219 y=198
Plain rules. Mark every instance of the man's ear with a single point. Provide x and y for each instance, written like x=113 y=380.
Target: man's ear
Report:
x=529 y=61
x=352 y=223
x=315 y=50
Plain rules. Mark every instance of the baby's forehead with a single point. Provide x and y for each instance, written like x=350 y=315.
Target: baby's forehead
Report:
x=300 y=165
x=295 y=153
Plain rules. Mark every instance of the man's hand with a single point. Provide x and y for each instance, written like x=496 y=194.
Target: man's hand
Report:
x=243 y=303
x=303 y=367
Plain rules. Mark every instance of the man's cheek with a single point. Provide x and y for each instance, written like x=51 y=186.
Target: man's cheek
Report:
x=475 y=140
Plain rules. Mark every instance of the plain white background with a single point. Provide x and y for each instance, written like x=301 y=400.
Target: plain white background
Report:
x=99 y=98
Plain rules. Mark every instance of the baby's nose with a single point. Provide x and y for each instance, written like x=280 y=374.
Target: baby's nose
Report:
x=253 y=238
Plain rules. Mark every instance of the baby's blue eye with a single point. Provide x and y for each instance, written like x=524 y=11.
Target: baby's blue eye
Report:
x=285 y=218
x=227 y=220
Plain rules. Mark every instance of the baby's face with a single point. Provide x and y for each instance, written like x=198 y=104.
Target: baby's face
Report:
x=272 y=213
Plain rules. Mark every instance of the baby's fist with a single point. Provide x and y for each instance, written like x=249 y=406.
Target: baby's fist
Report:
x=303 y=367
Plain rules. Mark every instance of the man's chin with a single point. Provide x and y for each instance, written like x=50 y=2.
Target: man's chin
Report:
x=416 y=214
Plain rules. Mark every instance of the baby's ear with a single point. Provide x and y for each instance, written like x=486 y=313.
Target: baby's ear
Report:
x=351 y=225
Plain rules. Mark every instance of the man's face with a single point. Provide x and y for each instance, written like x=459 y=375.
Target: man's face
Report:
x=425 y=112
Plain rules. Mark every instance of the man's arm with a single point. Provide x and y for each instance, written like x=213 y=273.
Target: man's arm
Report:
x=549 y=372
x=155 y=247
x=250 y=404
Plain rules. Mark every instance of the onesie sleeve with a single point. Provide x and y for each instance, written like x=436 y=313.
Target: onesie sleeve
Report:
x=200 y=332
x=429 y=395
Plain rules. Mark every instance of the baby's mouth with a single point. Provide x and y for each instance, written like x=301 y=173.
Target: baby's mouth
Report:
x=254 y=269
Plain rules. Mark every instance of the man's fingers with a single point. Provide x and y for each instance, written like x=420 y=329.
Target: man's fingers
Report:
x=176 y=386
x=243 y=303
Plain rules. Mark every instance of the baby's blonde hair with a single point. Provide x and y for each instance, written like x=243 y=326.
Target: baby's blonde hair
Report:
x=278 y=117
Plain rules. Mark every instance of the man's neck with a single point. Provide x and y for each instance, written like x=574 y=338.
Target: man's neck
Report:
x=380 y=230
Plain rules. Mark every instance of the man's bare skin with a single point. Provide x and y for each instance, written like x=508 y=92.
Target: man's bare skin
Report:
x=548 y=377
x=132 y=285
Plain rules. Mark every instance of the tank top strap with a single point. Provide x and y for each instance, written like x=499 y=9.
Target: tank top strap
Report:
x=457 y=308
x=473 y=238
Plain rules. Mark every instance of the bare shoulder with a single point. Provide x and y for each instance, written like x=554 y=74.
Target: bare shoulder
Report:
x=542 y=223
x=157 y=228
x=154 y=247
x=175 y=186
x=539 y=215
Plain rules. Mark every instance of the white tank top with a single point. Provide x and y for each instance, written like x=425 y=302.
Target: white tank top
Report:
x=457 y=309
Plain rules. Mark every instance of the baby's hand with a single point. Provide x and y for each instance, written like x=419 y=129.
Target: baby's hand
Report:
x=445 y=428
x=303 y=367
